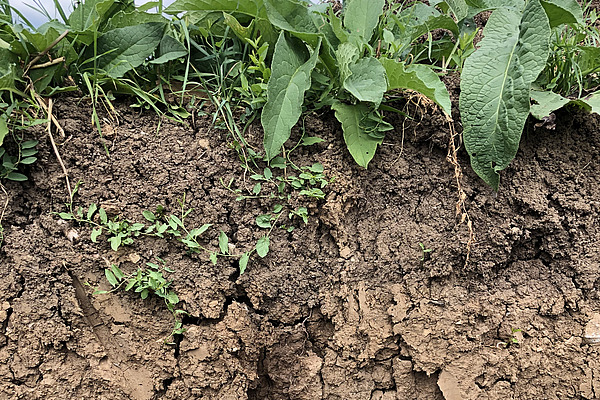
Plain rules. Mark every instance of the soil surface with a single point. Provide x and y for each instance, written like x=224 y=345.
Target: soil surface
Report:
x=347 y=306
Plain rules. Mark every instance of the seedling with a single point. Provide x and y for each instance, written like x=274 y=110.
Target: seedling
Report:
x=425 y=252
x=148 y=281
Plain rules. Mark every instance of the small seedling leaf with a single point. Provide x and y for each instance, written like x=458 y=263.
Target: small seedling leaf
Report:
x=256 y=189
x=310 y=140
x=172 y=298
x=264 y=221
x=28 y=160
x=110 y=277
x=223 y=243
x=95 y=233
x=65 y=215
x=29 y=144
x=131 y=284
x=262 y=246
x=213 y=258
x=244 y=262
x=103 y=216
x=267 y=173
x=115 y=242
x=149 y=215
x=277 y=209
x=144 y=294
x=91 y=211
x=117 y=271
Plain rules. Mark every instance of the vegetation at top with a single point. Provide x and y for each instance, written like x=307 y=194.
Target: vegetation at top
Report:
x=279 y=59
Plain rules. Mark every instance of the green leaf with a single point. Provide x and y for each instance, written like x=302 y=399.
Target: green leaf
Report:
x=115 y=242
x=213 y=258
x=495 y=87
x=291 y=16
x=117 y=271
x=3 y=130
x=131 y=284
x=91 y=211
x=244 y=262
x=122 y=19
x=367 y=80
x=29 y=144
x=87 y=16
x=562 y=12
x=548 y=102
x=123 y=49
x=110 y=277
x=65 y=216
x=172 y=298
x=264 y=221
x=267 y=173
x=459 y=8
x=310 y=140
x=252 y=8
x=169 y=49
x=95 y=233
x=419 y=78
x=290 y=78
x=149 y=215
x=262 y=246
x=103 y=216
x=361 y=16
x=15 y=176
x=28 y=160
x=223 y=243
x=176 y=221
x=360 y=144
x=144 y=294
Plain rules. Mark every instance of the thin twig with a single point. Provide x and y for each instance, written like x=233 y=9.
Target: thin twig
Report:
x=57 y=153
x=51 y=116
x=49 y=63
x=46 y=50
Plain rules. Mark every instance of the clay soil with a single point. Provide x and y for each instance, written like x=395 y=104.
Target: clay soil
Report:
x=345 y=306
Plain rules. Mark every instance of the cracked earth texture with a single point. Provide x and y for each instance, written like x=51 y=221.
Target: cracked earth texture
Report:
x=342 y=307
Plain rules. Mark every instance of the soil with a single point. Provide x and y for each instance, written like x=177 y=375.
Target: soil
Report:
x=347 y=306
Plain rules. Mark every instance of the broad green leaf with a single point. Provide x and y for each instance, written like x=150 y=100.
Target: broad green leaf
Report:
x=562 y=12
x=290 y=15
x=103 y=216
x=244 y=262
x=459 y=8
x=3 y=129
x=477 y=6
x=367 y=80
x=264 y=221
x=346 y=55
x=362 y=16
x=495 y=86
x=17 y=177
x=360 y=144
x=86 y=18
x=115 y=242
x=123 y=49
x=290 y=78
x=419 y=78
x=262 y=246
x=421 y=18
x=223 y=243
x=110 y=277
x=548 y=102
x=252 y=8
x=243 y=32
x=169 y=49
x=122 y=19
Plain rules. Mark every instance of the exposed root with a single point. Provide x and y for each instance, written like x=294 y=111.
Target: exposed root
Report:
x=49 y=110
x=460 y=204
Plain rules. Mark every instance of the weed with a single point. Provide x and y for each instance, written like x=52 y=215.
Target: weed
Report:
x=425 y=252
x=148 y=281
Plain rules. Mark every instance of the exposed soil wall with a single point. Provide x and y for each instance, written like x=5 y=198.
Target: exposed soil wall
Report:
x=343 y=307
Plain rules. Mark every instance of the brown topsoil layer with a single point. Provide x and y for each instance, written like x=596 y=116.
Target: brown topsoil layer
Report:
x=344 y=307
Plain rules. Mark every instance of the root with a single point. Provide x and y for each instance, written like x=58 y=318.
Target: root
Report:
x=461 y=210
x=49 y=110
